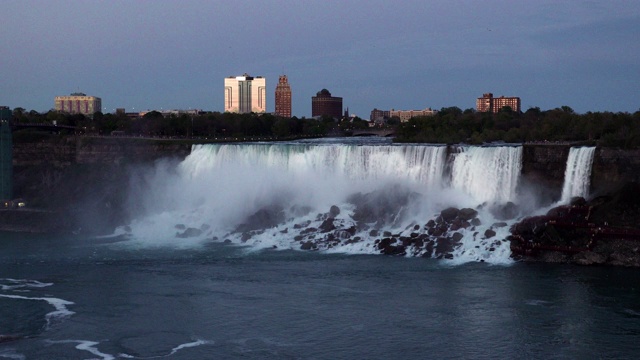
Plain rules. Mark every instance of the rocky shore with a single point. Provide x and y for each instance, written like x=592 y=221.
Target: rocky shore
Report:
x=601 y=231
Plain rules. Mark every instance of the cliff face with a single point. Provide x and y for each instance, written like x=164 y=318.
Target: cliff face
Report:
x=545 y=165
x=83 y=181
x=62 y=152
x=612 y=167
x=543 y=169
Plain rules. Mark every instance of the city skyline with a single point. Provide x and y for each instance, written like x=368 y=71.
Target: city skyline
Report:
x=375 y=54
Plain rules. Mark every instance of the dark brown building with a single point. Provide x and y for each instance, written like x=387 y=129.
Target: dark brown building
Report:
x=283 y=97
x=325 y=104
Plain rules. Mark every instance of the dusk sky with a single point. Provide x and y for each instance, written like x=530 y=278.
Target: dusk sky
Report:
x=143 y=55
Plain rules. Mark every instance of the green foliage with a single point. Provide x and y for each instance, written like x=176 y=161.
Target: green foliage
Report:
x=451 y=125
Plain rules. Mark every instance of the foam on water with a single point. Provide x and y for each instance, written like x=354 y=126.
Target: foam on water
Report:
x=86 y=345
x=173 y=351
x=11 y=354
x=14 y=284
x=25 y=285
x=59 y=304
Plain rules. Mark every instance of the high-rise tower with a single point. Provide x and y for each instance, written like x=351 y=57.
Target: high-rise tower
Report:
x=245 y=94
x=283 y=97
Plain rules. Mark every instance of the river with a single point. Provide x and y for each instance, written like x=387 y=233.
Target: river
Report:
x=148 y=292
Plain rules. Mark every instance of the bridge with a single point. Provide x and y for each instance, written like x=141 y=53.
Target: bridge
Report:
x=374 y=132
x=42 y=126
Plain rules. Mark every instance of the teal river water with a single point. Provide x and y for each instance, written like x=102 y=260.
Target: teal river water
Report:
x=77 y=298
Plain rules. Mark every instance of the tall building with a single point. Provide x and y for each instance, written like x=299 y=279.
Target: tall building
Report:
x=6 y=155
x=487 y=103
x=245 y=94
x=283 y=97
x=78 y=103
x=325 y=104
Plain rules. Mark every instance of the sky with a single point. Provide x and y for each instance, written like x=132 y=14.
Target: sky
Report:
x=154 y=55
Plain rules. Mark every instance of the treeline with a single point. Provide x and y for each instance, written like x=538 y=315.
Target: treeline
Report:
x=203 y=125
x=452 y=125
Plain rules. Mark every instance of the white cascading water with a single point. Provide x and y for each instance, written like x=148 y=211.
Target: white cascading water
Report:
x=577 y=175
x=217 y=187
x=489 y=174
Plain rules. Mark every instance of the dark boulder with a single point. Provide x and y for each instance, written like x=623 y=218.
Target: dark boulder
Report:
x=449 y=214
x=467 y=214
x=308 y=245
x=505 y=211
x=308 y=231
x=444 y=246
x=327 y=225
x=302 y=225
x=489 y=233
x=188 y=233
x=265 y=218
x=383 y=207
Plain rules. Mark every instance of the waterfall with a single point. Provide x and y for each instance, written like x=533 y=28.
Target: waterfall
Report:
x=333 y=197
x=489 y=174
x=422 y=164
x=577 y=175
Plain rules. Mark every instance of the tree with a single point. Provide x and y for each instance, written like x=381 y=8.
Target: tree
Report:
x=281 y=128
x=152 y=115
x=567 y=109
x=18 y=115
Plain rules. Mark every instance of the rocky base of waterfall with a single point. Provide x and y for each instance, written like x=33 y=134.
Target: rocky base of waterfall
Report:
x=601 y=231
x=370 y=223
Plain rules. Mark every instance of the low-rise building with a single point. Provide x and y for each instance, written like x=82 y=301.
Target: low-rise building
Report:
x=488 y=103
x=78 y=103
x=405 y=115
x=379 y=116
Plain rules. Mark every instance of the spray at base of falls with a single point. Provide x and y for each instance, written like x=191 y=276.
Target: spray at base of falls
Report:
x=337 y=198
